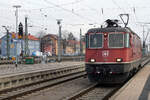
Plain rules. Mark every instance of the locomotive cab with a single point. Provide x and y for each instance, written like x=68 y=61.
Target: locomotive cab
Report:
x=111 y=53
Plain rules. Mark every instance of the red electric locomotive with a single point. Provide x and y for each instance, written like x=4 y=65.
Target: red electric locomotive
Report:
x=112 y=54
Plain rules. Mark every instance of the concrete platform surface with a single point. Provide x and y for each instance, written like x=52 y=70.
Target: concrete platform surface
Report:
x=6 y=70
x=138 y=88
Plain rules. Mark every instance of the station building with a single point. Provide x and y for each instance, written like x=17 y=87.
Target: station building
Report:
x=49 y=44
x=18 y=44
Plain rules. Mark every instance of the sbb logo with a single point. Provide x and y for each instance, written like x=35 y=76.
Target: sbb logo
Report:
x=105 y=53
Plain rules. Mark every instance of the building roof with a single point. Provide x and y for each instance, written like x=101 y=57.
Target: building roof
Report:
x=30 y=37
x=51 y=35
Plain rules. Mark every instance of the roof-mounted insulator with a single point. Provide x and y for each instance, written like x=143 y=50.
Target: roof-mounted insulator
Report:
x=112 y=23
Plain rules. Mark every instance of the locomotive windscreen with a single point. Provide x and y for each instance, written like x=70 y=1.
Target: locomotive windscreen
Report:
x=116 y=40
x=96 y=40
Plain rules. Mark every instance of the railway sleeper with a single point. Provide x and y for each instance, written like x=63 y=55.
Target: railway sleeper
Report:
x=7 y=83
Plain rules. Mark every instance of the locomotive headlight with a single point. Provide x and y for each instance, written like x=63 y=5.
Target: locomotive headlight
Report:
x=92 y=60
x=119 y=60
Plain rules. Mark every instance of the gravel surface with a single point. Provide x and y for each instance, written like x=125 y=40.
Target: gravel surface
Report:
x=60 y=91
x=69 y=88
x=97 y=94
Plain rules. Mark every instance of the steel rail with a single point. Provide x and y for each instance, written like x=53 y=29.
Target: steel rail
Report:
x=82 y=92
x=21 y=91
x=93 y=86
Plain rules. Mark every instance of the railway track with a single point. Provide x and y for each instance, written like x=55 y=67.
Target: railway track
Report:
x=81 y=93
x=12 y=81
x=87 y=91
x=14 y=93
x=98 y=92
x=94 y=92
x=49 y=59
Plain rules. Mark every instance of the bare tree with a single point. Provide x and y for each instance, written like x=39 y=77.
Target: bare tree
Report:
x=71 y=36
x=65 y=34
x=40 y=35
x=64 y=39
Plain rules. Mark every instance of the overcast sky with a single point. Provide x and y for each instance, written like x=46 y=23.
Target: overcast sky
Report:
x=75 y=14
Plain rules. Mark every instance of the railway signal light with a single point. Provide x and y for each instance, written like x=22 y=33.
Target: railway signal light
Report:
x=20 y=35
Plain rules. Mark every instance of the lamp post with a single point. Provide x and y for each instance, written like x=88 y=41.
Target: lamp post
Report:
x=59 y=39
x=26 y=37
x=8 y=46
x=16 y=14
x=81 y=49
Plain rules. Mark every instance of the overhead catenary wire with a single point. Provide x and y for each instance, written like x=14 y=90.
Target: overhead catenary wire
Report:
x=95 y=10
x=118 y=6
x=58 y=6
x=64 y=4
x=137 y=23
x=133 y=9
x=42 y=10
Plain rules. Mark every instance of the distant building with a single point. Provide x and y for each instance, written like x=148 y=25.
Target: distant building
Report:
x=78 y=48
x=49 y=44
x=15 y=44
x=33 y=44
x=73 y=47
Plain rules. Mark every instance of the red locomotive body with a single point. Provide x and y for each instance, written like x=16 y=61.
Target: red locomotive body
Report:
x=112 y=54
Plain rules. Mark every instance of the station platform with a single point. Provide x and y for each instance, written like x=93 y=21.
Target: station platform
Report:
x=137 y=88
x=6 y=70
